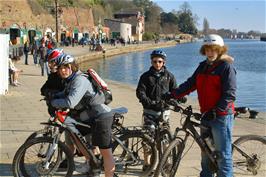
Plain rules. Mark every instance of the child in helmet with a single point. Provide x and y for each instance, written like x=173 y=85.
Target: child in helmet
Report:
x=215 y=82
x=154 y=83
x=85 y=105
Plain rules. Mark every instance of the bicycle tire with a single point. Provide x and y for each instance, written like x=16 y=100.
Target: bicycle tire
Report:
x=141 y=138
x=165 y=139
x=176 y=144
x=250 y=166
x=36 y=134
x=20 y=156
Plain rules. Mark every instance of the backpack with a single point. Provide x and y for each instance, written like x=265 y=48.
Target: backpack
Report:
x=99 y=85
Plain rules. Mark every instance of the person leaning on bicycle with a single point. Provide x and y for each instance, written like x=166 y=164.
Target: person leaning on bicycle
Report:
x=154 y=83
x=85 y=104
x=215 y=82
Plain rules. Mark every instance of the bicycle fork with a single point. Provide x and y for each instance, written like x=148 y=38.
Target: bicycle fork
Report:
x=50 y=152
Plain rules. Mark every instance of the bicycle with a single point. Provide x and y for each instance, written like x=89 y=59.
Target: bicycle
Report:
x=158 y=128
x=50 y=151
x=250 y=160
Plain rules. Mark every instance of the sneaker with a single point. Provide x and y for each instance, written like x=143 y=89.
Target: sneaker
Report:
x=15 y=84
x=18 y=83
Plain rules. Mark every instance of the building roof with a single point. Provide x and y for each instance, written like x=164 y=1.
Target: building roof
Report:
x=116 y=20
x=128 y=12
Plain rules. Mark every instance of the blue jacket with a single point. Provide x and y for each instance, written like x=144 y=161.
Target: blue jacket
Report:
x=80 y=96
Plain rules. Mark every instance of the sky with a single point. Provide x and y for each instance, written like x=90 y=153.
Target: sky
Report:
x=242 y=15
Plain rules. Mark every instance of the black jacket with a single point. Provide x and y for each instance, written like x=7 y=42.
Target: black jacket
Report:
x=152 y=85
x=53 y=84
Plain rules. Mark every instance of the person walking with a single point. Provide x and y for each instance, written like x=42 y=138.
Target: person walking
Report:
x=215 y=82
x=26 y=51
x=42 y=51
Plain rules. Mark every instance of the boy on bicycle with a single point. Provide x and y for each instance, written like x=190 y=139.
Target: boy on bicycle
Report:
x=215 y=82
x=154 y=83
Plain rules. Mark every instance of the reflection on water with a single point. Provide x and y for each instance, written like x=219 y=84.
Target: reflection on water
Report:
x=182 y=60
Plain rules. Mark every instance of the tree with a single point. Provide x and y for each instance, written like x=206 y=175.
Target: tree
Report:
x=206 y=26
x=185 y=8
x=186 y=22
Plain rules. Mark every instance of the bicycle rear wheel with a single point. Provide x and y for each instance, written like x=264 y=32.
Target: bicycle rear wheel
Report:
x=128 y=152
x=255 y=147
x=30 y=158
x=168 y=165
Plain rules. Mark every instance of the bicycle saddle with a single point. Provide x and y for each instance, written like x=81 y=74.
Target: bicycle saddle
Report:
x=119 y=110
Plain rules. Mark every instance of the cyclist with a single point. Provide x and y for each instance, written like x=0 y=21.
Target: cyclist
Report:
x=154 y=83
x=85 y=105
x=54 y=82
x=215 y=82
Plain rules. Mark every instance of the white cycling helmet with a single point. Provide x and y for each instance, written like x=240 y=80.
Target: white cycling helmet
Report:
x=64 y=59
x=214 y=39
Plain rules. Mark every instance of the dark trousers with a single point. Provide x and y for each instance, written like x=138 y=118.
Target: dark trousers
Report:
x=26 y=58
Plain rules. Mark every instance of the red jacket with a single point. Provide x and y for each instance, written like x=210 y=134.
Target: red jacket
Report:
x=215 y=85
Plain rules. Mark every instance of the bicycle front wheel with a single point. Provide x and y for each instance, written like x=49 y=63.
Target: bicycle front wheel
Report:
x=31 y=159
x=168 y=165
x=128 y=152
x=249 y=155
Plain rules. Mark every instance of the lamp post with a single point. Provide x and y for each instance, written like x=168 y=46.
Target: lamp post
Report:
x=100 y=31
x=56 y=20
x=56 y=10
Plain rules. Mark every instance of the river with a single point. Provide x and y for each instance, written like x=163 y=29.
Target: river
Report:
x=182 y=60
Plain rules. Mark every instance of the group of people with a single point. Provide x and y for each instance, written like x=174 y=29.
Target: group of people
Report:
x=214 y=80
x=40 y=49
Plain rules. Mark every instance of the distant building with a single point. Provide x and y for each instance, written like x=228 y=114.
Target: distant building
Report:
x=136 y=19
x=119 y=29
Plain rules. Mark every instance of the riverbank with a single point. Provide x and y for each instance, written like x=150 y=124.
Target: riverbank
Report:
x=109 y=51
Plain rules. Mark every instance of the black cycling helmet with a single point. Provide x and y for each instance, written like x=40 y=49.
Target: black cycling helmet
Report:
x=158 y=53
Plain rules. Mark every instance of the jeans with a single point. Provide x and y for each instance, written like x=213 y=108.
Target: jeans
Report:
x=35 y=58
x=26 y=58
x=221 y=129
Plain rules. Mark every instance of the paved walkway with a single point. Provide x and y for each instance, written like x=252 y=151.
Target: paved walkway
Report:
x=22 y=111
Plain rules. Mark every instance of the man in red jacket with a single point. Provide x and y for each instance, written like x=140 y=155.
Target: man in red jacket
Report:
x=215 y=82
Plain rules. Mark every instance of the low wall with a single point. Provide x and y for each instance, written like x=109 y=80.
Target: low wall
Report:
x=125 y=49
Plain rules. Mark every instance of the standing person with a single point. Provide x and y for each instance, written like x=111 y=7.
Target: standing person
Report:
x=215 y=82
x=42 y=51
x=154 y=83
x=79 y=90
x=35 y=52
x=26 y=51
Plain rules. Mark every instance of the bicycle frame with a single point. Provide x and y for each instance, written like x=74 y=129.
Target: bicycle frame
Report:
x=189 y=129
x=79 y=141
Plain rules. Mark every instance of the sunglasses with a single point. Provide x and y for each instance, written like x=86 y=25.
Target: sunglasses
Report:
x=158 y=61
